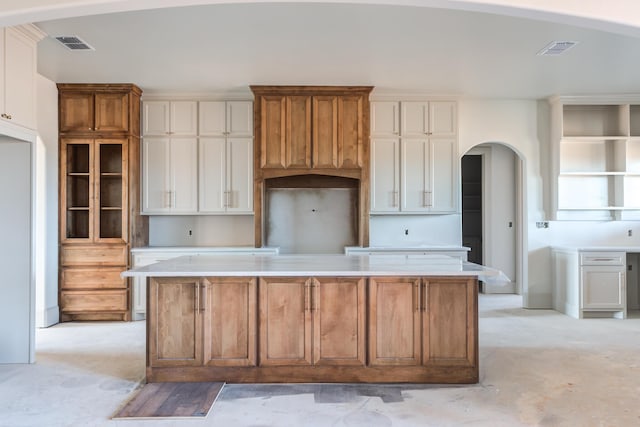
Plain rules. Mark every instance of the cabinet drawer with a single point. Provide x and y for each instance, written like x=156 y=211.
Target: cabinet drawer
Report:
x=93 y=255
x=94 y=301
x=602 y=258
x=93 y=278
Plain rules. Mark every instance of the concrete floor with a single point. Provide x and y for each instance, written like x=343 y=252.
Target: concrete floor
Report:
x=537 y=368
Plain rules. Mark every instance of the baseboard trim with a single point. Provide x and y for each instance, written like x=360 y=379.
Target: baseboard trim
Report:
x=48 y=317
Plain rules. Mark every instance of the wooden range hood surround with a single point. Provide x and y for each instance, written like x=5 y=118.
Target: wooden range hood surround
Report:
x=306 y=131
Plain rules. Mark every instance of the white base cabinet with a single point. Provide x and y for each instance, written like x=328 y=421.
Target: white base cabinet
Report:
x=589 y=283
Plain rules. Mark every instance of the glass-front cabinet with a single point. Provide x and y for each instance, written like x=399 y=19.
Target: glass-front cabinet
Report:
x=95 y=190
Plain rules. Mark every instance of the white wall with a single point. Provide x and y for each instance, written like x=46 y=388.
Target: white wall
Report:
x=46 y=204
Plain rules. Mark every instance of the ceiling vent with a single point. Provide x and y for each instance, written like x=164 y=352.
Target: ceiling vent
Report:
x=556 y=48
x=74 y=43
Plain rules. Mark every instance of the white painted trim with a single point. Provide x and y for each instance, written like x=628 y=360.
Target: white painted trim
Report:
x=232 y=95
x=48 y=317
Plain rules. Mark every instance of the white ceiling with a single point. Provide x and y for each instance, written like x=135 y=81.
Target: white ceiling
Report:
x=226 y=47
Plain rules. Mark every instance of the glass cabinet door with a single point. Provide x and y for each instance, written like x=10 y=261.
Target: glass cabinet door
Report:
x=110 y=190
x=78 y=189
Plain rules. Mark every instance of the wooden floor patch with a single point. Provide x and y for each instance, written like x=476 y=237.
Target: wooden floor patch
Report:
x=167 y=400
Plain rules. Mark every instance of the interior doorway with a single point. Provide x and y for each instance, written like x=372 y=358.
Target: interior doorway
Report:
x=492 y=213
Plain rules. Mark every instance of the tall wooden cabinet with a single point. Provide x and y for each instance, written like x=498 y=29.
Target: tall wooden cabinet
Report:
x=99 y=198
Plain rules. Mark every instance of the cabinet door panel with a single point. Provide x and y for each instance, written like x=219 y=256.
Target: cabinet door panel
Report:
x=285 y=321
x=184 y=175
x=212 y=118
x=350 y=131
x=338 y=323
x=414 y=186
x=155 y=119
x=230 y=322
x=443 y=177
x=184 y=118
x=443 y=119
x=449 y=322
x=112 y=112
x=20 y=86
x=174 y=315
x=415 y=119
x=603 y=287
x=156 y=174
x=272 y=136
x=212 y=158
x=298 y=139
x=385 y=170
x=325 y=132
x=240 y=175
x=240 y=118
x=385 y=118
x=76 y=112
x=394 y=321
x=111 y=184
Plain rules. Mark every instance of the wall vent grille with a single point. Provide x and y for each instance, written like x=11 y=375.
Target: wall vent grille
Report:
x=556 y=48
x=74 y=43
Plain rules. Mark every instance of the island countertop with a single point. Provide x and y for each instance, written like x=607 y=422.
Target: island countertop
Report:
x=311 y=265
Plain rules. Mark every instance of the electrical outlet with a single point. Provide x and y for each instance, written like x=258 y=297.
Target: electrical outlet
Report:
x=406 y=231
x=542 y=224
x=629 y=233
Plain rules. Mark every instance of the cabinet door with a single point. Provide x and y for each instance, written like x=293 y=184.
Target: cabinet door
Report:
x=239 y=176
x=298 y=128
x=450 y=321
x=156 y=178
x=155 y=118
x=325 y=132
x=175 y=306
x=230 y=321
x=415 y=119
x=20 y=75
x=603 y=287
x=76 y=112
x=76 y=190
x=385 y=118
x=183 y=118
x=239 y=118
x=443 y=175
x=212 y=116
x=385 y=173
x=184 y=175
x=339 y=321
x=350 y=132
x=111 y=191
x=273 y=119
x=285 y=321
x=213 y=195
x=415 y=191
x=394 y=321
x=112 y=112
x=443 y=119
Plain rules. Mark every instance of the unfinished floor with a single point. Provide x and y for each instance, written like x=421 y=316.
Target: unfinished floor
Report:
x=537 y=368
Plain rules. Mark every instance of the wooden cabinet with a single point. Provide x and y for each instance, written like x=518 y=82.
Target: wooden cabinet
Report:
x=414 y=162
x=305 y=321
x=169 y=175
x=18 y=74
x=99 y=198
x=423 y=321
x=200 y=322
x=595 y=158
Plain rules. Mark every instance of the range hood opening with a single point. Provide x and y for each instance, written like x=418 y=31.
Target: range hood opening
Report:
x=311 y=214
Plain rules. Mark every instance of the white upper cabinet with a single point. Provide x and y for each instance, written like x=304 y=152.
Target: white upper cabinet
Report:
x=175 y=118
x=226 y=118
x=417 y=170
x=18 y=75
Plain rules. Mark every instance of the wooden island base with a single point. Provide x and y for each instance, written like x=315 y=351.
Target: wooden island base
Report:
x=313 y=329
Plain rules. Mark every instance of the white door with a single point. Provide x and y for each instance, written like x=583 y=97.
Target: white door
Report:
x=385 y=173
x=385 y=118
x=212 y=115
x=156 y=180
x=414 y=184
x=155 y=118
x=443 y=176
x=183 y=118
x=415 y=119
x=239 y=118
x=184 y=175
x=443 y=119
x=212 y=171
x=240 y=175
x=20 y=79
x=603 y=287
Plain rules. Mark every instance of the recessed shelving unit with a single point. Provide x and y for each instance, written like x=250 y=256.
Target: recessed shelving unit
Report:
x=595 y=159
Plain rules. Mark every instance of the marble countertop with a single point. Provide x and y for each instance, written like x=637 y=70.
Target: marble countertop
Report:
x=408 y=248
x=629 y=249
x=312 y=265
x=203 y=249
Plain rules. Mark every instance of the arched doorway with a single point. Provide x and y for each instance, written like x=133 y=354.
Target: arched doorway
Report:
x=493 y=213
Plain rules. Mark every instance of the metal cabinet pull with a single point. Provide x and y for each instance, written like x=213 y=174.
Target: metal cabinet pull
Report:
x=307 y=295
x=316 y=294
x=203 y=297
x=197 y=301
x=416 y=295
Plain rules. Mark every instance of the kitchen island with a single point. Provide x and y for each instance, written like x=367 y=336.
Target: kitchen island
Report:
x=312 y=318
